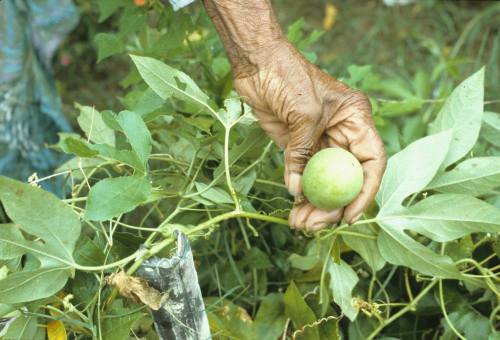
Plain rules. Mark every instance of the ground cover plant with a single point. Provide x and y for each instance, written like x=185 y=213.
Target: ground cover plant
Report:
x=182 y=152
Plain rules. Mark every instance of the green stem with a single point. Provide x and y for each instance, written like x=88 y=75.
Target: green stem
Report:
x=226 y=166
x=443 y=309
x=403 y=311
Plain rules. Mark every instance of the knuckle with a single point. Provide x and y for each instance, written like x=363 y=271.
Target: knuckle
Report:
x=358 y=100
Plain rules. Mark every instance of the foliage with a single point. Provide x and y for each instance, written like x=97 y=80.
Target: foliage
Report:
x=187 y=154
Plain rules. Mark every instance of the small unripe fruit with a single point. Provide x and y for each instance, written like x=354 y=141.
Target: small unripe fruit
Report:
x=332 y=178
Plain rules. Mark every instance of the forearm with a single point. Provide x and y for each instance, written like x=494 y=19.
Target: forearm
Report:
x=248 y=29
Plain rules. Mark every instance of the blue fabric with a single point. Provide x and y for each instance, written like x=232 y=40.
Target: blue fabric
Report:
x=30 y=108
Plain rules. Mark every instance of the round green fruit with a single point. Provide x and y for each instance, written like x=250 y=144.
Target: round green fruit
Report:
x=332 y=178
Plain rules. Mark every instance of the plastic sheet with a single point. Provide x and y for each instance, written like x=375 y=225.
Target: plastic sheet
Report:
x=182 y=314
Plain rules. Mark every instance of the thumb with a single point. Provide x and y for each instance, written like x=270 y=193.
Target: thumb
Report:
x=302 y=141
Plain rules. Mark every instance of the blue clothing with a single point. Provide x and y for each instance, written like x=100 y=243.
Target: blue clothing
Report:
x=30 y=108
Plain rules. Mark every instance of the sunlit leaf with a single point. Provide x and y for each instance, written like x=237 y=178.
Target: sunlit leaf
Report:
x=475 y=176
x=167 y=81
x=491 y=128
x=446 y=217
x=462 y=112
x=411 y=169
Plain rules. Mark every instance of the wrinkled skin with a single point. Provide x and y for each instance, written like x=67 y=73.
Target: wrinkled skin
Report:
x=300 y=107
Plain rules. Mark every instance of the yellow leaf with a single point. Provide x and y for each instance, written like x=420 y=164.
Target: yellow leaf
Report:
x=330 y=16
x=56 y=330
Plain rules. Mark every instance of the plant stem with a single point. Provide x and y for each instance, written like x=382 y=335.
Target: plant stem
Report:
x=226 y=167
x=404 y=310
x=443 y=308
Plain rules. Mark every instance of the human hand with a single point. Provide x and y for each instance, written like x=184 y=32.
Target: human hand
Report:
x=304 y=110
x=300 y=107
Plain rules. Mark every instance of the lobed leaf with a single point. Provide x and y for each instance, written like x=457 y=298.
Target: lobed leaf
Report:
x=491 y=128
x=400 y=249
x=411 y=169
x=462 y=112
x=474 y=176
x=446 y=217
x=168 y=82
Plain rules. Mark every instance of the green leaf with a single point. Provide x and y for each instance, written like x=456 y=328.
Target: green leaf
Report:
x=390 y=135
x=108 y=7
x=78 y=147
x=10 y=237
x=92 y=123
x=117 y=324
x=23 y=327
x=107 y=45
x=110 y=118
x=491 y=128
x=299 y=312
x=243 y=184
x=231 y=113
x=88 y=253
x=228 y=320
x=54 y=221
x=303 y=262
x=214 y=194
x=462 y=112
x=270 y=320
x=342 y=282
x=474 y=176
x=256 y=259
x=168 y=82
x=399 y=249
x=32 y=285
x=366 y=248
x=148 y=102
x=294 y=31
x=13 y=244
x=469 y=323
x=400 y=108
x=411 y=169
x=255 y=140
x=125 y=156
x=445 y=217
x=137 y=133
x=111 y=197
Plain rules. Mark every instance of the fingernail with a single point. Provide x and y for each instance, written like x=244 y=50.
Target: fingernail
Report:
x=295 y=184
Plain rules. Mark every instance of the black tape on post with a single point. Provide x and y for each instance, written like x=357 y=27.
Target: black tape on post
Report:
x=182 y=315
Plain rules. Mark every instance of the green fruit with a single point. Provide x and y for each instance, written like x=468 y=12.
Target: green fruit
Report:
x=332 y=178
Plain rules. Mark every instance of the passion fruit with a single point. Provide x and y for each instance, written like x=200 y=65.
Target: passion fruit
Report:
x=332 y=178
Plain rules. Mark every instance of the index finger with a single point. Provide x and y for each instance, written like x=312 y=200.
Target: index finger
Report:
x=366 y=145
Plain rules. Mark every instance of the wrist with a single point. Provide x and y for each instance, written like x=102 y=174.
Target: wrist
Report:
x=249 y=31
